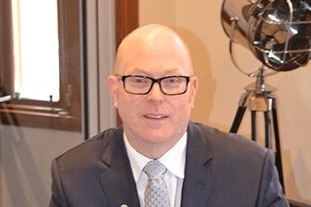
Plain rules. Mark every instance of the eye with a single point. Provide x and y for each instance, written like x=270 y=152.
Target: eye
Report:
x=172 y=80
x=139 y=80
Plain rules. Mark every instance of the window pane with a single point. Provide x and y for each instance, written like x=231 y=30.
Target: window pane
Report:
x=36 y=49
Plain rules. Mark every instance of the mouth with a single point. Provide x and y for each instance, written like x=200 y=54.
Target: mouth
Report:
x=155 y=116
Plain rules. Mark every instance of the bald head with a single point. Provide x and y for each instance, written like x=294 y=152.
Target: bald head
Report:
x=152 y=39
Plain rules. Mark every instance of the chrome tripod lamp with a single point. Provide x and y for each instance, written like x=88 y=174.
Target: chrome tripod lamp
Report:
x=278 y=34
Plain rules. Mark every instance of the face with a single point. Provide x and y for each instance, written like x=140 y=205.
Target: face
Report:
x=154 y=120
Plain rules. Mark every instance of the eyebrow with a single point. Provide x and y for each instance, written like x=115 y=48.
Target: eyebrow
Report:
x=171 y=71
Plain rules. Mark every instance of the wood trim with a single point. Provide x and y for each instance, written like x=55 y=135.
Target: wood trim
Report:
x=6 y=47
x=126 y=18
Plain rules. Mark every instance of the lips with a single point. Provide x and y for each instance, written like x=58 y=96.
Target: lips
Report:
x=155 y=116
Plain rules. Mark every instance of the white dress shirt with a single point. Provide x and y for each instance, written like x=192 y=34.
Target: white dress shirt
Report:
x=174 y=160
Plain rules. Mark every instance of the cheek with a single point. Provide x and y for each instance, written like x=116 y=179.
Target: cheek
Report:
x=125 y=103
x=121 y=98
x=183 y=104
x=128 y=109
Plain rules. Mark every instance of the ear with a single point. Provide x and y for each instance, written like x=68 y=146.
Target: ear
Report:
x=194 y=84
x=113 y=88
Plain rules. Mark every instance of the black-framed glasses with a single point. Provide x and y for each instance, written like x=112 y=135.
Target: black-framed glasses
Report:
x=142 y=85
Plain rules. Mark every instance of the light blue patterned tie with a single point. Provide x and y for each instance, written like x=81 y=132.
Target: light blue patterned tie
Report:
x=156 y=194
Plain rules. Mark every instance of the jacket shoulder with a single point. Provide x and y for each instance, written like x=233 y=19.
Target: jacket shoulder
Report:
x=225 y=145
x=92 y=147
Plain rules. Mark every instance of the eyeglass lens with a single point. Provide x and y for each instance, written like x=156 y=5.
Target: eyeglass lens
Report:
x=141 y=85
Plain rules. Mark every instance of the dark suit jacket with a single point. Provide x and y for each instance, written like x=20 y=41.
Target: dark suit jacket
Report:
x=222 y=170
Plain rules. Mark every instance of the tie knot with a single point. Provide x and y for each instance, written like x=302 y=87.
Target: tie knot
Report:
x=154 y=169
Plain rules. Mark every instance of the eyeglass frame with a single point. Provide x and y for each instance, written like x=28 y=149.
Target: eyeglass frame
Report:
x=154 y=80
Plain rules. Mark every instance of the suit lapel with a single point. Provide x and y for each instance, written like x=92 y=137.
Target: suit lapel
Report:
x=117 y=179
x=199 y=170
x=120 y=188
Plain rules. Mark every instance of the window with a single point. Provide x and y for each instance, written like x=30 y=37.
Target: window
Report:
x=35 y=47
x=40 y=63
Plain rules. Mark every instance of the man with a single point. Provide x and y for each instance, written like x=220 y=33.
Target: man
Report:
x=153 y=88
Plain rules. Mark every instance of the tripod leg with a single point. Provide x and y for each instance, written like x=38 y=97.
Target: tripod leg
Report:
x=267 y=118
x=240 y=113
x=237 y=119
x=253 y=126
x=277 y=144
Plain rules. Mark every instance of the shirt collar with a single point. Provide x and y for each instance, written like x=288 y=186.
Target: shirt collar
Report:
x=174 y=159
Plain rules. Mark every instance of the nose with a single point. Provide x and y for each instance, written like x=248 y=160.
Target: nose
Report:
x=155 y=92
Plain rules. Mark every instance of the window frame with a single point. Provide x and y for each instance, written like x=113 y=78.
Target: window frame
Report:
x=66 y=113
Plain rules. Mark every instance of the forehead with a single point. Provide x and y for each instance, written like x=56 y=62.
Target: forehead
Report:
x=156 y=60
x=153 y=51
x=155 y=67
x=159 y=73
